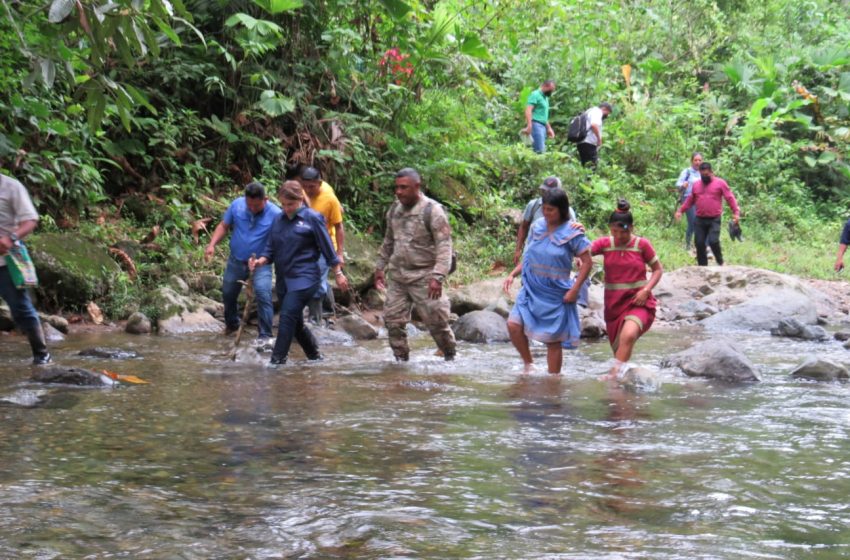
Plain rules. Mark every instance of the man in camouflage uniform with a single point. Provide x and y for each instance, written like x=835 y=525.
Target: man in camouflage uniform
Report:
x=419 y=256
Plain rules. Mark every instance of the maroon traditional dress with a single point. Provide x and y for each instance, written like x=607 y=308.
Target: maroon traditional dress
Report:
x=625 y=275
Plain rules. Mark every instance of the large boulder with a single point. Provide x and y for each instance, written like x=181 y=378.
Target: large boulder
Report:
x=592 y=323
x=765 y=312
x=179 y=314
x=482 y=327
x=358 y=327
x=820 y=370
x=138 y=323
x=330 y=337
x=725 y=287
x=792 y=328
x=72 y=376
x=486 y=294
x=57 y=322
x=72 y=270
x=51 y=333
x=361 y=254
x=715 y=359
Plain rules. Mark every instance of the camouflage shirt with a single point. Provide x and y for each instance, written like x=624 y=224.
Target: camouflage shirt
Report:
x=413 y=250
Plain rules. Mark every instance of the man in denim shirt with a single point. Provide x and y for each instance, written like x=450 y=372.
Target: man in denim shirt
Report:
x=251 y=218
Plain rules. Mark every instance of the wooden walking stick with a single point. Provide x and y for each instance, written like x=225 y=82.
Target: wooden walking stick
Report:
x=249 y=286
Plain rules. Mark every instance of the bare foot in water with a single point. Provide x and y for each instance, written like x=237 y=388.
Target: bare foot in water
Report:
x=528 y=368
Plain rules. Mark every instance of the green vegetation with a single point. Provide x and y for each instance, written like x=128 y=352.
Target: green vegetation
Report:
x=126 y=115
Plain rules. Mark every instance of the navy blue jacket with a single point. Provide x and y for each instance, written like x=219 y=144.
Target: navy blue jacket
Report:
x=294 y=246
x=845 y=235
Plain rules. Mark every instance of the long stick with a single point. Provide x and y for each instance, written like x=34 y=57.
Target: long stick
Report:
x=249 y=286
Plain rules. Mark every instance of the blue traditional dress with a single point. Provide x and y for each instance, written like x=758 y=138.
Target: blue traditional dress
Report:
x=546 y=267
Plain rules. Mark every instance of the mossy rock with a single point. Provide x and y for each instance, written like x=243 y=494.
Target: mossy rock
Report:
x=71 y=270
x=361 y=254
x=449 y=189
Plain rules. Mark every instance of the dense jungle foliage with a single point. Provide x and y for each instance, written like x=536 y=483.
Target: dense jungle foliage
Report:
x=121 y=116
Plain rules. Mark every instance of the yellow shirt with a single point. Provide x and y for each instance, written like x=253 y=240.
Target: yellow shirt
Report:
x=327 y=204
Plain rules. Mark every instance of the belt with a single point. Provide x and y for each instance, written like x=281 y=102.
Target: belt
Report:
x=538 y=122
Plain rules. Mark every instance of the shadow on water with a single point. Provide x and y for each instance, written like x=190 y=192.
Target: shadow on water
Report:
x=361 y=457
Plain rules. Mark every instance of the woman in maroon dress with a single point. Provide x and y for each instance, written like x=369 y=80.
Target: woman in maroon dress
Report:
x=629 y=303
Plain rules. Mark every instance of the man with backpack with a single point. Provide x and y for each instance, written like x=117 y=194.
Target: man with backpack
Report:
x=417 y=252
x=586 y=131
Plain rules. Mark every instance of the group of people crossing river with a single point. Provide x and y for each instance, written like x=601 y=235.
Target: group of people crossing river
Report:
x=303 y=239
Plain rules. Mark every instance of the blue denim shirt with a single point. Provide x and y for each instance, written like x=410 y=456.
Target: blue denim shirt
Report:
x=294 y=246
x=250 y=231
x=691 y=176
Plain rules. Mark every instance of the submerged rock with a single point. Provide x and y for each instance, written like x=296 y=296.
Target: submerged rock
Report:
x=330 y=337
x=842 y=336
x=482 y=327
x=793 y=328
x=714 y=359
x=640 y=380
x=26 y=398
x=358 y=327
x=72 y=376
x=819 y=369
x=108 y=353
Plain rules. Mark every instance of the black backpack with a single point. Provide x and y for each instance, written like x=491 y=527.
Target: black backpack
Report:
x=578 y=128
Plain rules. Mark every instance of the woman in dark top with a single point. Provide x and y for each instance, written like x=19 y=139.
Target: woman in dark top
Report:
x=295 y=241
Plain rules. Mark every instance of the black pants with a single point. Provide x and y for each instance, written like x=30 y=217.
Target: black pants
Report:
x=707 y=230
x=588 y=154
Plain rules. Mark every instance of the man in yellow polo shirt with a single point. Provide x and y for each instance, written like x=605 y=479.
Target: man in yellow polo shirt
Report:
x=324 y=201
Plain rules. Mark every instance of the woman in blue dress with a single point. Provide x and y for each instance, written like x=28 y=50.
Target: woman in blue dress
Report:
x=545 y=308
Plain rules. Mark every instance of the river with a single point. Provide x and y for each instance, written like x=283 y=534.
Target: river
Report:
x=357 y=457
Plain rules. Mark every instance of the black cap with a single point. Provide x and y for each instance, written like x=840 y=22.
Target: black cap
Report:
x=310 y=174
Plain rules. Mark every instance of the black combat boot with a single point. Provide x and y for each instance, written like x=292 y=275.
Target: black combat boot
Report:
x=40 y=355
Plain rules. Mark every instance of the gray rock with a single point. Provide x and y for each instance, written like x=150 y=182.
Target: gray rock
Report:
x=693 y=309
x=501 y=306
x=765 y=312
x=482 y=327
x=592 y=324
x=715 y=359
x=330 y=337
x=178 y=314
x=6 y=322
x=361 y=252
x=413 y=331
x=842 y=336
x=108 y=353
x=51 y=334
x=178 y=285
x=72 y=376
x=59 y=323
x=358 y=327
x=375 y=299
x=847 y=345
x=820 y=370
x=481 y=295
x=138 y=323
x=640 y=380
x=793 y=328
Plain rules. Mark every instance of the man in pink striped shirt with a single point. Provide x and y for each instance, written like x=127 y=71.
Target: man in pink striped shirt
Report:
x=707 y=195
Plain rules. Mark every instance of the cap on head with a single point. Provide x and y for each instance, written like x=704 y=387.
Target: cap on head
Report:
x=310 y=174
x=550 y=183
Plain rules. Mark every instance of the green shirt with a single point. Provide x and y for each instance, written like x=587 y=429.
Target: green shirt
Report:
x=541 y=106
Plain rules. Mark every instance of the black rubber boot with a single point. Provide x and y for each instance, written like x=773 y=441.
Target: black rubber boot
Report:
x=40 y=355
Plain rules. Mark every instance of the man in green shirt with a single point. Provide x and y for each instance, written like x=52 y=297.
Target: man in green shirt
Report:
x=537 y=116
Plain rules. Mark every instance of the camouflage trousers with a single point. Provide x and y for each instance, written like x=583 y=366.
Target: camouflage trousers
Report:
x=401 y=298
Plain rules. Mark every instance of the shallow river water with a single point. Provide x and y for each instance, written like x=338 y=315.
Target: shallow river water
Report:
x=357 y=457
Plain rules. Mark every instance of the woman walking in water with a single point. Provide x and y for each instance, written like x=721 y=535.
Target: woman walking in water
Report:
x=629 y=303
x=545 y=308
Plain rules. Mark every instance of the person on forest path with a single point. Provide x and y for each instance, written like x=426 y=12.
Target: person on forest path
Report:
x=588 y=147
x=417 y=254
x=324 y=201
x=629 y=303
x=685 y=186
x=18 y=218
x=533 y=211
x=250 y=217
x=843 y=242
x=707 y=195
x=545 y=308
x=537 y=116
x=297 y=237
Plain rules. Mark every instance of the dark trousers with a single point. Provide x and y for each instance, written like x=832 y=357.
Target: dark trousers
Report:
x=588 y=154
x=707 y=230
x=23 y=312
x=291 y=325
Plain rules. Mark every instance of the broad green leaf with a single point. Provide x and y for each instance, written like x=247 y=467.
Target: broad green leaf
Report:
x=150 y=37
x=279 y=6
x=810 y=161
x=275 y=105
x=95 y=105
x=473 y=46
x=48 y=72
x=193 y=28
x=827 y=157
x=168 y=30
x=139 y=98
x=59 y=10
x=396 y=8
